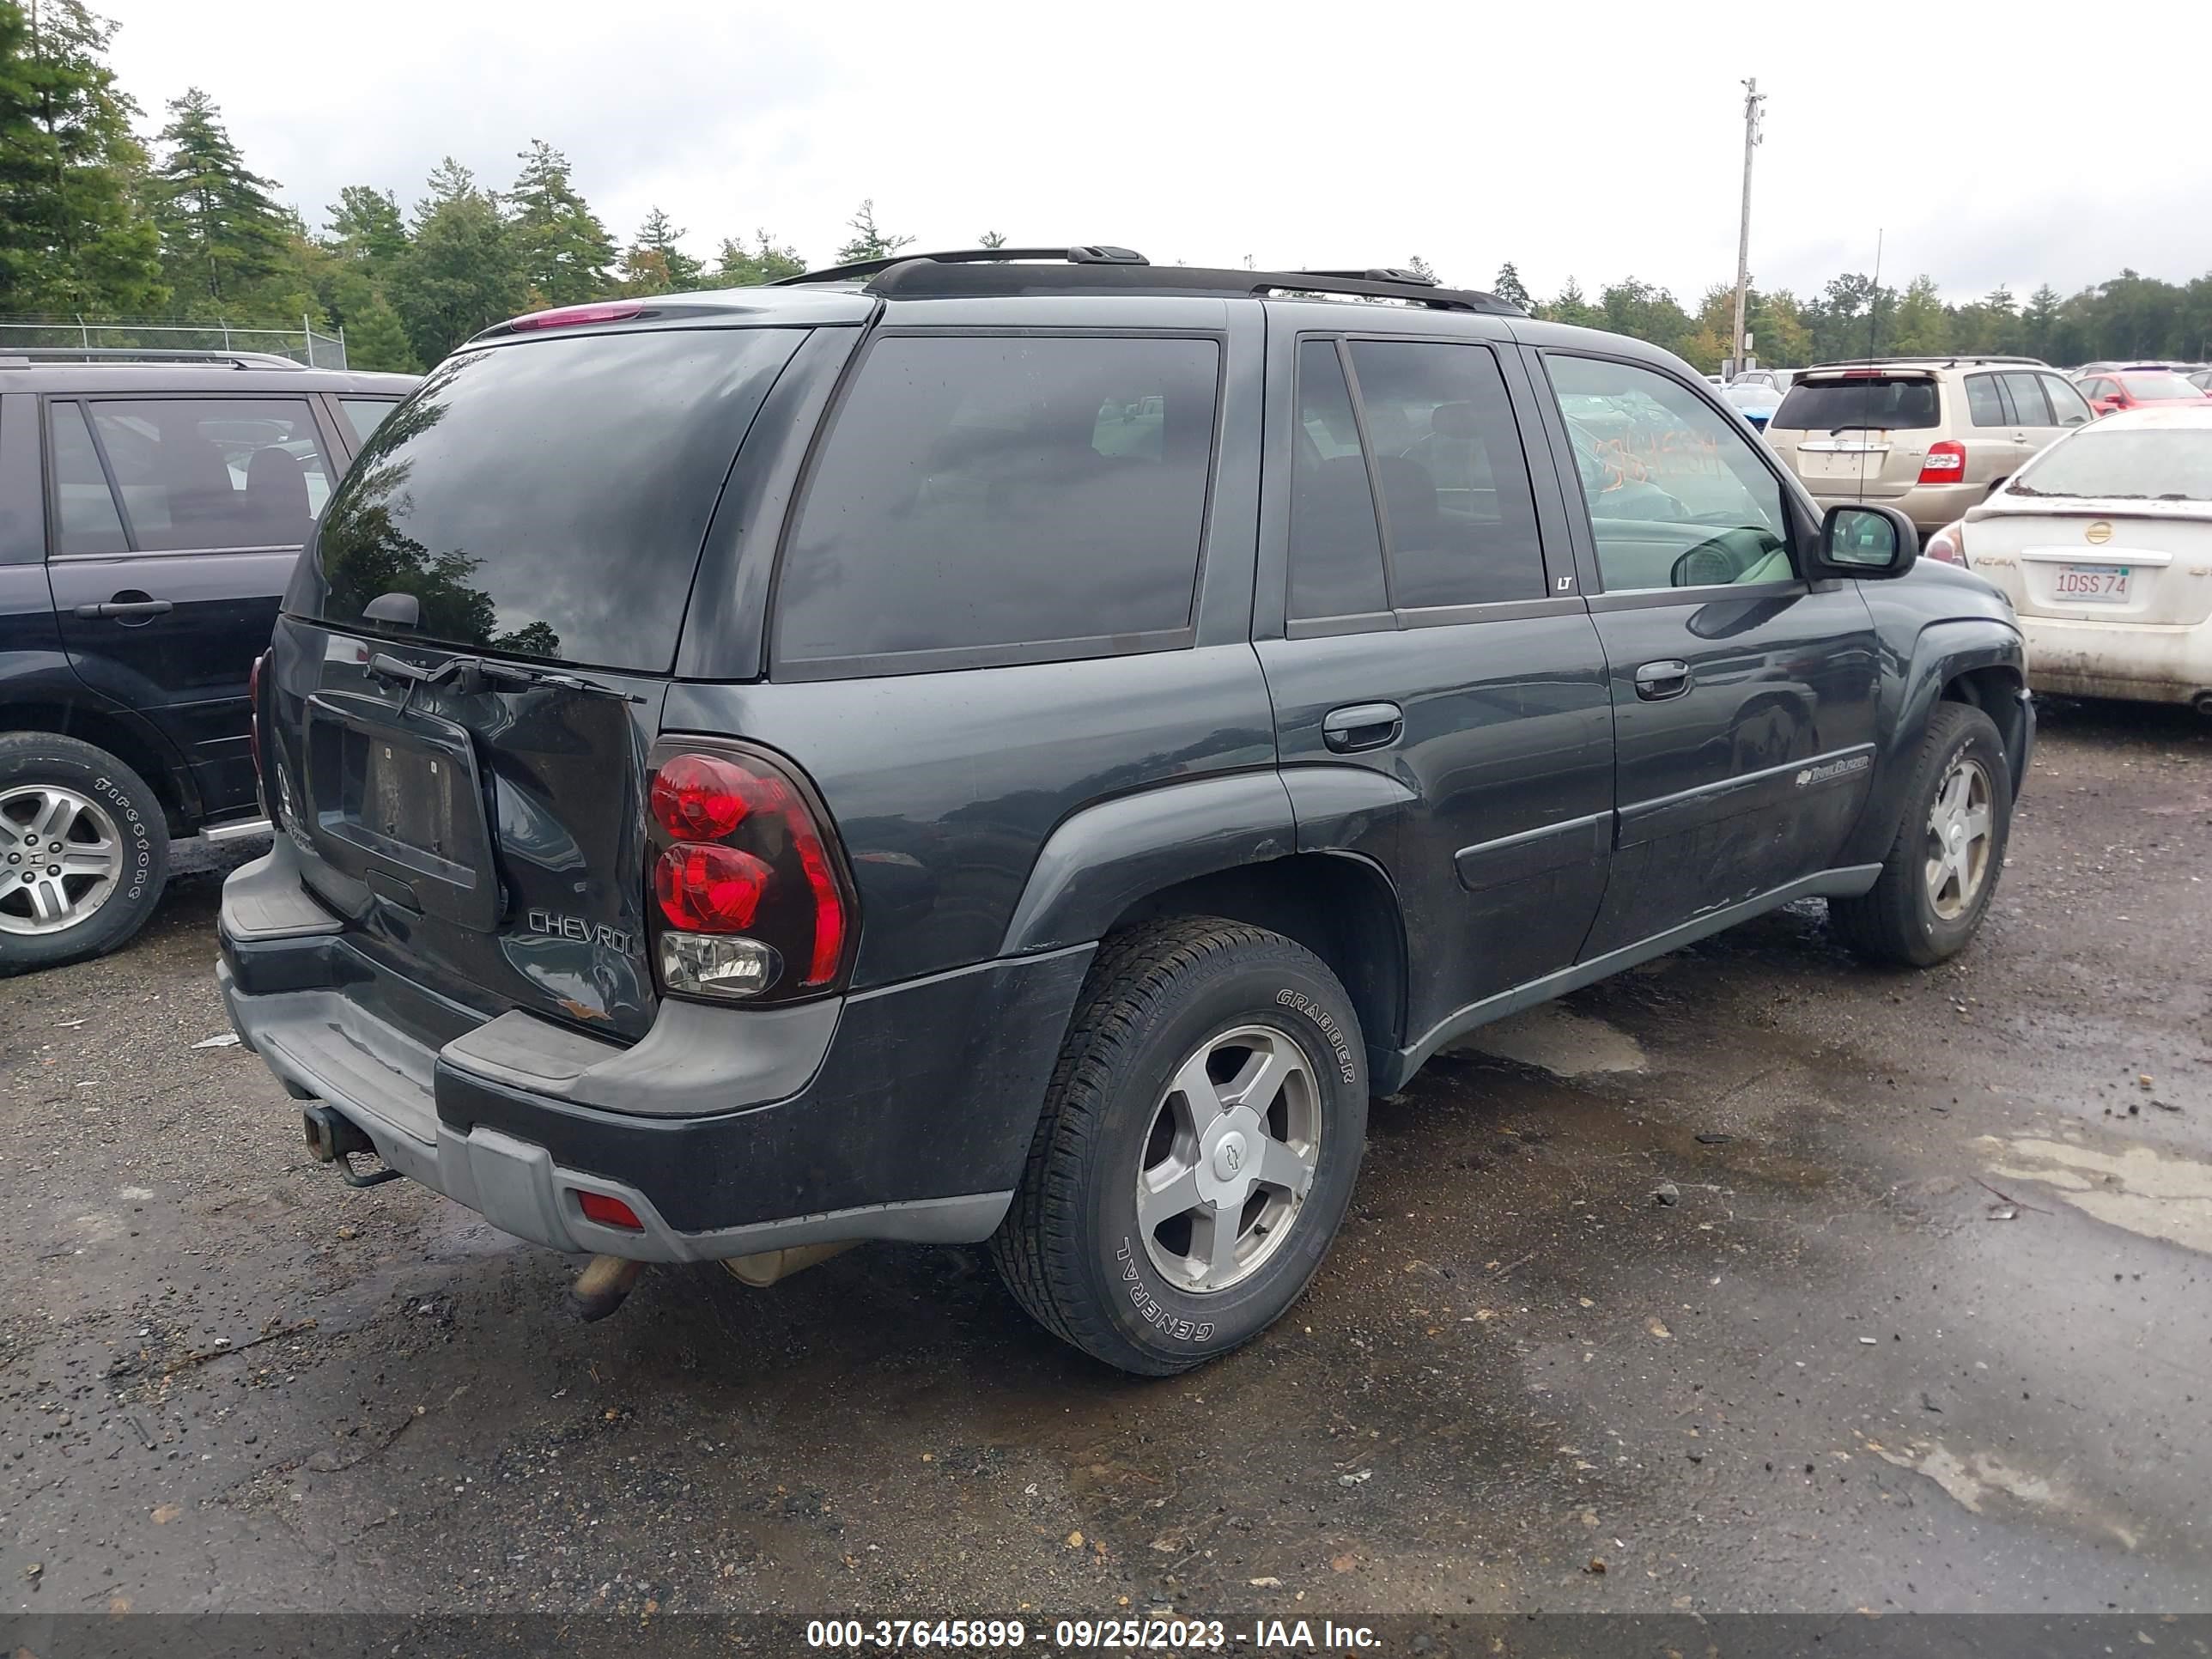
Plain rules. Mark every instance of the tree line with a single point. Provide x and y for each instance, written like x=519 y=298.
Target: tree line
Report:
x=101 y=222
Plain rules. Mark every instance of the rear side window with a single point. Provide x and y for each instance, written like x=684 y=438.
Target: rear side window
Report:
x=548 y=498
x=1875 y=403
x=86 y=519
x=2026 y=392
x=1336 y=551
x=1985 y=403
x=365 y=415
x=1457 y=511
x=199 y=474
x=2066 y=405
x=1015 y=497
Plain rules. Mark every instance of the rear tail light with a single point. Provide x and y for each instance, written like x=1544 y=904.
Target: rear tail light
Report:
x=751 y=897
x=1947 y=545
x=1945 y=463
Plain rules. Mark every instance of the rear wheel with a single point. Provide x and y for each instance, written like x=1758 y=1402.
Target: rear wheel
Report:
x=83 y=852
x=1197 y=1150
x=1942 y=871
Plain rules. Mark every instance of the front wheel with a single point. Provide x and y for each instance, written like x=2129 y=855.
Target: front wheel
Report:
x=1198 y=1147
x=1942 y=871
x=83 y=852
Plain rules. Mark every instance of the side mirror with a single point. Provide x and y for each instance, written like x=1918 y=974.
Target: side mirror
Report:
x=1862 y=540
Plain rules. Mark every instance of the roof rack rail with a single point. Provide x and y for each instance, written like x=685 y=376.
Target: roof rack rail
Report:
x=1379 y=274
x=1096 y=254
x=981 y=271
x=1934 y=359
x=26 y=357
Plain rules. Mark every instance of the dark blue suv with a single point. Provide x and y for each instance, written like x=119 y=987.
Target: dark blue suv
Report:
x=1021 y=746
x=152 y=505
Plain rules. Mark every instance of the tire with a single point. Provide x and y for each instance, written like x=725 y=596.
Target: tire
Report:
x=81 y=904
x=1235 y=1001
x=1910 y=917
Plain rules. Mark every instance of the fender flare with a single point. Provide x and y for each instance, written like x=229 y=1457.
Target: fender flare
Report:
x=1103 y=858
x=1941 y=653
x=46 y=681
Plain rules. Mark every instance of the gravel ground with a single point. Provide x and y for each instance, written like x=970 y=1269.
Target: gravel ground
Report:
x=1752 y=1280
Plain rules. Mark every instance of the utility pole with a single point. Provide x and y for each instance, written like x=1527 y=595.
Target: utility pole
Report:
x=1753 y=98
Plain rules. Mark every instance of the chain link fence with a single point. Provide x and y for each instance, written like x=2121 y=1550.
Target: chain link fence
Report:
x=304 y=344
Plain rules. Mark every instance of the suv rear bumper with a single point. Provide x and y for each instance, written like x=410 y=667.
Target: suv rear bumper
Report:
x=726 y=1131
x=1930 y=507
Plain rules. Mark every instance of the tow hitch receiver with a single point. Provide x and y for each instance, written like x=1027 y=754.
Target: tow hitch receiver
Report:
x=332 y=1140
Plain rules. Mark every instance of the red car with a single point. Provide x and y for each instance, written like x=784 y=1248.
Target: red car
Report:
x=2108 y=393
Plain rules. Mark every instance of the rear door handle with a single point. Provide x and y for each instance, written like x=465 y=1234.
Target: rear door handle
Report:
x=125 y=609
x=1362 y=726
x=1657 y=681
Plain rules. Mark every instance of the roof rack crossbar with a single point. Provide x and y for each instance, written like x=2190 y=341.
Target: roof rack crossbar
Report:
x=1092 y=254
x=1939 y=359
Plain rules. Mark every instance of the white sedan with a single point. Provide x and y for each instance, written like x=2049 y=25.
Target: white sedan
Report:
x=2103 y=544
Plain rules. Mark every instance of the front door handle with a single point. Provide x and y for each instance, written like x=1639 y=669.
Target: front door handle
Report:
x=1657 y=681
x=1363 y=726
x=122 y=610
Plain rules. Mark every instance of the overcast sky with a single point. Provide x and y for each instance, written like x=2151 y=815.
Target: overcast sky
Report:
x=1596 y=140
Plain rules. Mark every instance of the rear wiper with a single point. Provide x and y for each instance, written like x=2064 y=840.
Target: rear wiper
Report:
x=1856 y=426
x=469 y=675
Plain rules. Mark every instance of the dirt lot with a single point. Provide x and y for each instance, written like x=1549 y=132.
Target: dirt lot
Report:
x=1926 y=1322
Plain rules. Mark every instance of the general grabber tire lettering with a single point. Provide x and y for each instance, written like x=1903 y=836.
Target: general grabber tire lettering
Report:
x=85 y=852
x=1941 y=871
x=1197 y=1149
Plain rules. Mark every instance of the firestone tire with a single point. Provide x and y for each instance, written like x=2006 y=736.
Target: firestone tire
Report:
x=1211 y=1060
x=1942 y=871
x=85 y=852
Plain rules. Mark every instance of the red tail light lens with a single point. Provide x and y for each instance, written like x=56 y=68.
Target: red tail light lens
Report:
x=705 y=888
x=751 y=896
x=604 y=311
x=699 y=797
x=1947 y=545
x=1945 y=463
x=609 y=1212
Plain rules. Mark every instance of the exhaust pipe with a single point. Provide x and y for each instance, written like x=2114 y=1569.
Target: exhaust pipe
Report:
x=603 y=1286
x=764 y=1269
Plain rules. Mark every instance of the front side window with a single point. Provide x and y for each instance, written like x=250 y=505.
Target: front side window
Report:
x=1458 y=515
x=198 y=474
x=989 y=493
x=1676 y=494
x=86 y=519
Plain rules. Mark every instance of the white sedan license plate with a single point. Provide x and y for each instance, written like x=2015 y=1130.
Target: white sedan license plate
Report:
x=2091 y=583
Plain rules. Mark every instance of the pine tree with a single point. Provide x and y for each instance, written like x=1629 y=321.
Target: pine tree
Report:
x=1572 y=308
x=1510 y=287
x=375 y=337
x=737 y=265
x=655 y=262
x=869 y=239
x=458 y=274
x=366 y=226
x=564 y=250
x=223 y=235
x=1421 y=267
x=994 y=239
x=72 y=239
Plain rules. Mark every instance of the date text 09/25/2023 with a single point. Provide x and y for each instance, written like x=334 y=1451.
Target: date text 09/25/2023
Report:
x=1168 y=1635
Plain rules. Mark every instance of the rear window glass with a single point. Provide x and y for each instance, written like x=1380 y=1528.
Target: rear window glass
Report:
x=550 y=498
x=1004 y=494
x=2125 y=462
x=2156 y=388
x=1879 y=403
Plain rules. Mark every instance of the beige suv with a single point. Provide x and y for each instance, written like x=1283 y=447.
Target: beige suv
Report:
x=1929 y=436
